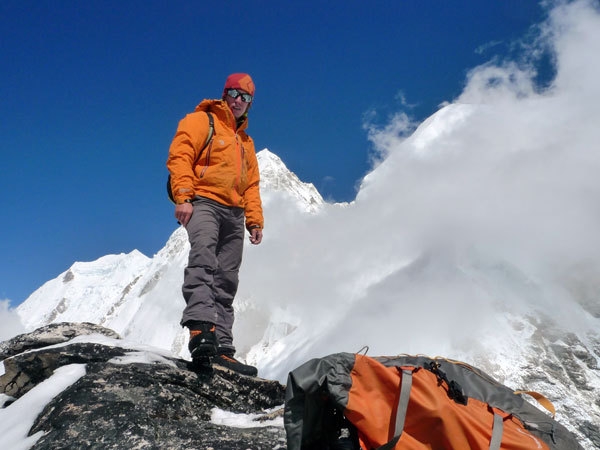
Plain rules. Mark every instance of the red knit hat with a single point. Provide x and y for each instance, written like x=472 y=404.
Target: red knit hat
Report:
x=240 y=81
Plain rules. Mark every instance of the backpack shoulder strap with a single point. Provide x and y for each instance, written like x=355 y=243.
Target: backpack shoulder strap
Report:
x=211 y=132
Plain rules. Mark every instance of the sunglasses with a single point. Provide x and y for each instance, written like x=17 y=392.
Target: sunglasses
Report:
x=234 y=93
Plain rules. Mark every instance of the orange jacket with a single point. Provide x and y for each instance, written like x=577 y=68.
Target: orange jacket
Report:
x=227 y=170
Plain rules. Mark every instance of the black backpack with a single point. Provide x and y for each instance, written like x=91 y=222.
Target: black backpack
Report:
x=211 y=131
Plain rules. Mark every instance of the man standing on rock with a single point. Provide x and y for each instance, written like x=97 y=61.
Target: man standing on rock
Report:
x=215 y=185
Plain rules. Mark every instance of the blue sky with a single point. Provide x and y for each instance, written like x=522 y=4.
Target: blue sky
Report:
x=91 y=93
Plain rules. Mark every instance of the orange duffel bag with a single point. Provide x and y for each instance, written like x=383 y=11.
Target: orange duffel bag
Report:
x=352 y=401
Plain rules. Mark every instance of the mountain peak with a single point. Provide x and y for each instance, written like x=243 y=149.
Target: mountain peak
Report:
x=276 y=179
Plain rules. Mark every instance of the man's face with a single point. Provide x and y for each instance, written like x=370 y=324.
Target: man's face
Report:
x=237 y=105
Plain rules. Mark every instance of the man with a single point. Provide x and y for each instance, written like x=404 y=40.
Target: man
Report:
x=215 y=180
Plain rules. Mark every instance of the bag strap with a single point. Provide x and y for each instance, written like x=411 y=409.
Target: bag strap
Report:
x=541 y=399
x=403 y=398
x=211 y=132
x=497 y=432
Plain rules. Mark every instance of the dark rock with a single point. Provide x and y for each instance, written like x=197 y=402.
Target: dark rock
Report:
x=52 y=334
x=120 y=403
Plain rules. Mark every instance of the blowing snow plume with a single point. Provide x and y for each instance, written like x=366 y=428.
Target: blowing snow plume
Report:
x=491 y=205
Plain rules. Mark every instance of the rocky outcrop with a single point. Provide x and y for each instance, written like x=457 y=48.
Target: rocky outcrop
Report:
x=134 y=397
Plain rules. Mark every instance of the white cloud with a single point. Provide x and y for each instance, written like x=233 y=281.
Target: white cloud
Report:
x=487 y=46
x=517 y=168
x=492 y=201
x=10 y=323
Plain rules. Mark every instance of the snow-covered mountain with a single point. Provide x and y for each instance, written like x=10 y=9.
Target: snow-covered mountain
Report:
x=521 y=344
x=474 y=238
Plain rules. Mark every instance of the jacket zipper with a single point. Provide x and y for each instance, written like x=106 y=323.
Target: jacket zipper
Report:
x=207 y=159
x=240 y=161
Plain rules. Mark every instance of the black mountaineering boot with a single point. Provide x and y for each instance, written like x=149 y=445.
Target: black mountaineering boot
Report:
x=203 y=341
x=225 y=359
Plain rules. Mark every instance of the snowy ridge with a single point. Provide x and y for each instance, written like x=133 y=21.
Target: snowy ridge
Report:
x=86 y=291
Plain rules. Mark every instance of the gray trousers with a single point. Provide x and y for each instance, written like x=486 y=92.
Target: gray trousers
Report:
x=216 y=235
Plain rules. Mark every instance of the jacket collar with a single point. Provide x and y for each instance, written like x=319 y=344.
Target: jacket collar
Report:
x=223 y=113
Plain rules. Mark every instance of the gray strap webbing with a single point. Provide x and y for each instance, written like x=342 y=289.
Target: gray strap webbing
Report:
x=497 y=430
x=405 y=388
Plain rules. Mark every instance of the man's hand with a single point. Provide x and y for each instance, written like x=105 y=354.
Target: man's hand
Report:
x=256 y=236
x=183 y=213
